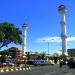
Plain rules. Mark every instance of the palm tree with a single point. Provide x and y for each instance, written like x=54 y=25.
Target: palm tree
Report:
x=41 y=56
x=28 y=55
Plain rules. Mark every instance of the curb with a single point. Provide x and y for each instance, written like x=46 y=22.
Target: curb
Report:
x=16 y=69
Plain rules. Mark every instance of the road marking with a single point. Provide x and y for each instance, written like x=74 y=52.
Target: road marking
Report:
x=50 y=73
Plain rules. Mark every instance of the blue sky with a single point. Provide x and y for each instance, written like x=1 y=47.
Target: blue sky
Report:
x=42 y=18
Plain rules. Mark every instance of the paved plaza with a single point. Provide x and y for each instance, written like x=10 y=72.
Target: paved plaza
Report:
x=44 y=70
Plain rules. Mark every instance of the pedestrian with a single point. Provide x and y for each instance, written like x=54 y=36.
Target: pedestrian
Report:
x=61 y=63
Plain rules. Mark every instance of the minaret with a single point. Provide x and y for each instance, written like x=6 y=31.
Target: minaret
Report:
x=25 y=27
x=62 y=11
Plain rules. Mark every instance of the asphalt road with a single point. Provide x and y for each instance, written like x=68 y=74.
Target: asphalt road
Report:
x=44 y=70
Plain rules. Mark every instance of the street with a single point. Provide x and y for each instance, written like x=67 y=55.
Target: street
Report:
x=44 y=70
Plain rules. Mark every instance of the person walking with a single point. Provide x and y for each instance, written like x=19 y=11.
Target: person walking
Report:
x=61 y=63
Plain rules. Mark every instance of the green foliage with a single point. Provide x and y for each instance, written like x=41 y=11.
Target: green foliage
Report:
x=4 y=55
x=8 y=34
x=64 y=57
x=5 y=52
x=50 y=58
x=28 y=55
x=12 y=49
x=41 y=56
x=3 y=58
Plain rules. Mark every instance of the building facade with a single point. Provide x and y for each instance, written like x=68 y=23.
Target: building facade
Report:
x=71 y=52
x=15 y=52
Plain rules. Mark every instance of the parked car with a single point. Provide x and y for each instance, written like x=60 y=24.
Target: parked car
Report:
x=9 y=62
x=38 y=62
x=65 y=62
x=71 y=64
x=2 y=64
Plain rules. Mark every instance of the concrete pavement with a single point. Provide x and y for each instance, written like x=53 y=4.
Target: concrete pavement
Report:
x=44 y=70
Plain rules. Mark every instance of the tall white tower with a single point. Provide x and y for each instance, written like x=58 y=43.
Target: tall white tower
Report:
x=25 y=27
x=62 y=10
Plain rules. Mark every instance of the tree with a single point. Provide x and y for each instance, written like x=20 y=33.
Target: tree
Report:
x=8 y=34
x=28 y=55
x=41 y=56
x=55 y=57
x=4 y=55
x=64 y=57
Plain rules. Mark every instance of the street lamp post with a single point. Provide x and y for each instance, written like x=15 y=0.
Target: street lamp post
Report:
x=48 y=48
x=48 y=42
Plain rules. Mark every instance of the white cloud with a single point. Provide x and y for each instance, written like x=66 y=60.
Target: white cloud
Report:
x=59 y=52
x=71 y=39
x=53 y=39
